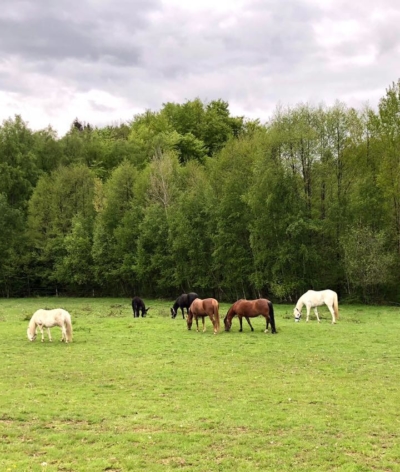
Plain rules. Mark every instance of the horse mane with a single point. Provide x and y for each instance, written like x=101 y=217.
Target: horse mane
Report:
x=229 y=313
x=300 y=303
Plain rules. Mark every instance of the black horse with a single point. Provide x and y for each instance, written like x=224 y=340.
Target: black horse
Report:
x=184 y=301
x=137 y=306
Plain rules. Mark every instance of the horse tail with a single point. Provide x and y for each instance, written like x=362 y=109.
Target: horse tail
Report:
x=336 y=306
x=272 y=316
x=68 y=326
x=216 y=316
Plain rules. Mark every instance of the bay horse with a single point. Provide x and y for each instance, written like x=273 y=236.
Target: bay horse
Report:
x=47 y=319
x=250 y=309
x=139 y=306
x=202 y=308
x=313 y=299
x=182 y=302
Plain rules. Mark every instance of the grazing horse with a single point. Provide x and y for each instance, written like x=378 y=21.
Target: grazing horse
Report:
x=250 y=309
x=202 y=308
x=313 y=299
x=47 y=319
x=184 y=301
x=137 y=306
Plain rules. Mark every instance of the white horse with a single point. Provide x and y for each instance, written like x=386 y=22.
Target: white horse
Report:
x=47 y=319
x=313 y=299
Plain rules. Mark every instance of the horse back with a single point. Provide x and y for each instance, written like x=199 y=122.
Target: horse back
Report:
x=204 y=306
x=185 y=300
x=210 y=305
x=137 y=302
x=49 y=318
x=318 y=298
x=196 y=306
x=191 y=296
x=251 y=308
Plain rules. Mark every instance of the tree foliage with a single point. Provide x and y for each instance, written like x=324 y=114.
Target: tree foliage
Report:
x=192 y=198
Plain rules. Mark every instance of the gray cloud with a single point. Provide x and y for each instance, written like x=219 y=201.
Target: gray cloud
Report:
x=133 y=55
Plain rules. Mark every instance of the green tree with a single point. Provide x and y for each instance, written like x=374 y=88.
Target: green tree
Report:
x=230 y=176
x=190 y=231
x=154 y=268
x=366 y=259
x=276 y=230
x=12 y=244
x=75 y=269
x=18 y=166
x=120 y=212
x=388 y=125
x=59 y=197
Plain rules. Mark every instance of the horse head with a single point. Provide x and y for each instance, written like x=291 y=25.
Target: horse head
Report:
x=227 y=323
x=189 y=320
x=297 y=315
x=173 y=312
x=31 y=336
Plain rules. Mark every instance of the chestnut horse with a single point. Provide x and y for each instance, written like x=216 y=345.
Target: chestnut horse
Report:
x=202 y=308
x=250 y=309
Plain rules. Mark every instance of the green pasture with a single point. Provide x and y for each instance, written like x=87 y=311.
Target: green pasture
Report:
x=146 y=394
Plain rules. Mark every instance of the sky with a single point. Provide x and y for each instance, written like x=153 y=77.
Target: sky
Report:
x=105 y=61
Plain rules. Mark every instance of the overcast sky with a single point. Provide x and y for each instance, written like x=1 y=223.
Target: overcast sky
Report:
x=104 y=61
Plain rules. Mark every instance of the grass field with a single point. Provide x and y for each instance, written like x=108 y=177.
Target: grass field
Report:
x=146 y=394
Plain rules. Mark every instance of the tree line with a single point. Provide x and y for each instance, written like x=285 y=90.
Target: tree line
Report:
x=192 y=198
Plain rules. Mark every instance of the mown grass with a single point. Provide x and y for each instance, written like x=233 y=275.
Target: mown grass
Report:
x=146 y=394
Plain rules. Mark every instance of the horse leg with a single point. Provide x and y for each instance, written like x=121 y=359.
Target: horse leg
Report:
x=197 y=323
x=240 y=322
x=316 y=314
x=248 y=321
x=214 y=322
x=204 y=323
x=183 y=312
x=63 y=334
x=266 y=325
x=308 y=313
x=332 y=313
x=41 y=330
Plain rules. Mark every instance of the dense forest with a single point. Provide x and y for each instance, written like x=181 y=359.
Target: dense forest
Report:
x=192 y=198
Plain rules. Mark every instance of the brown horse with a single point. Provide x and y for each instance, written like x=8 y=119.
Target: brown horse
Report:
x=202 y=308
x=250 y=309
